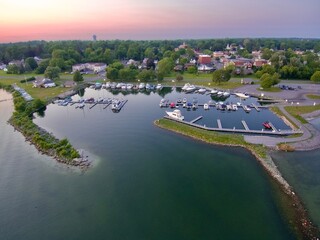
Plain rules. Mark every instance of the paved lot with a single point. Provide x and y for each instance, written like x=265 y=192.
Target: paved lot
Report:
x=311 y=136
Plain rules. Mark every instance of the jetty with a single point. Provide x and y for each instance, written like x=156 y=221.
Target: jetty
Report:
x=245 y=125
x=242 y=131
x=196 y=119
x=256 y=107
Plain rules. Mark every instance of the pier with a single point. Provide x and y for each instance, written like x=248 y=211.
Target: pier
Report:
x=92 y=106
x=245 y=125
x=219 y=123
x=196 y=119
x=256 y=107
x=234 y=130
x=273 y=127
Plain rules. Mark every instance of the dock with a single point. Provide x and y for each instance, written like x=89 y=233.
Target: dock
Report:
x=107 y=105
x=273 y=127
x=196 y=119
x=256 y=107
x=219 y=123
x=93 y=105
x=234 y=130
x=245 y=125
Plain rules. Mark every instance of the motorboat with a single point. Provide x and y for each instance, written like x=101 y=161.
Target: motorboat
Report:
x=141 y=86
x=124 y=87
x=159 y=87
x=129 y=86
x=194 y=106
x=219 y=93
x=206 y=106
x=184 y=100
x=213 y=91
x=172 y=105
x=246 y=108
x=148 y=86
x=81 y=105
x=119 y=85
x=184 y=88
x=190 y=89
x=176 y=114
x=202 y=90
x=234 y=107
x=242 y=95
x=226 y=94
x=163 y=102
x=267 y=125
x=108 y=85
x=179 y=101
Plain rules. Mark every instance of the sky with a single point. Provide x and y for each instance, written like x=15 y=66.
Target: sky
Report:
x=25 y=20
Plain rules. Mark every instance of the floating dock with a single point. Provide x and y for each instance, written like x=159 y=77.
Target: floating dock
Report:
x=196 y=119
x=234 y=130
x=219 y=123
x=273 y=127
x=245 y=125
x=256 y=107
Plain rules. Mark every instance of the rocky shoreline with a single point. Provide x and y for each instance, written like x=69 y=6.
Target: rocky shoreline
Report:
x=302 y=221
x=83 y=162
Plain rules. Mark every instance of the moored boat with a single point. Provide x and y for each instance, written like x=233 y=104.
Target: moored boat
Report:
x=176 y=114
x=266 y=125
x=242 y=95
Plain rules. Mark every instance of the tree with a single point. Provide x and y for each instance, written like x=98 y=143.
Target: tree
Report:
x=13 y=69
x=112 y=73
x=52 y=72
x=77 y=77
x=146 y=75
x=165 y=66
x=42 y=66
x=179 y=77
x=192 y=70
x=315 y=77
x=31 y=63
x=267 y=80
x=221 y=75
x=128 y=74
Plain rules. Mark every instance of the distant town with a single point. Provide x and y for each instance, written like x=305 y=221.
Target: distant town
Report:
x=264 y=59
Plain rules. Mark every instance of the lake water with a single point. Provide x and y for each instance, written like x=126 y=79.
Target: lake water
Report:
x=147 y=183
x=302 y=169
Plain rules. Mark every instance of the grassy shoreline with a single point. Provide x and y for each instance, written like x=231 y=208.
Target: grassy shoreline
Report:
x=292 y=208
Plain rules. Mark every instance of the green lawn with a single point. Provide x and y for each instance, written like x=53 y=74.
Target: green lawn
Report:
x=297 y=111
x=272 y=89
x=211 y=136
x=277 y=111
x=41 y=93
x=313 y=96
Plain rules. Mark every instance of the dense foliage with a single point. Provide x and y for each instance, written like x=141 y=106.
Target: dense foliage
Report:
x=63 y=54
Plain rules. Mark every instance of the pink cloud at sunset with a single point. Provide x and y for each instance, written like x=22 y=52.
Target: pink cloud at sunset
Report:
x=141 y=19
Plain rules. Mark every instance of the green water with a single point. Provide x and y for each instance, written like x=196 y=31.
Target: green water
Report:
x=147 y=183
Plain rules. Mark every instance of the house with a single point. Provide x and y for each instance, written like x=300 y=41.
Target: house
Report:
x=260 y=62
x=204 y=59
x=69 y=84
x=3 y=66
x=205 y=68
x=178 y=68
x=218 y=54
x=95 y=67
x=46 y=83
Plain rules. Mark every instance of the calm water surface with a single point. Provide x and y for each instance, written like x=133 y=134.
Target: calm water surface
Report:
x=148 y=183
x=302 y=170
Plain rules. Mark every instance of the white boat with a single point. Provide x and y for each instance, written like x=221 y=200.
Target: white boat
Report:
x=190 y=89
x=148 y=86
x=242 y=95
x=184 y=100
x=202 y=90
x=141 y=86
x=234 y=107
x=184 y=88
x=226 y=94
x=124 y=87
x=164 y=103
x=246 y=108
x=108 y=85
x=214 y=91
x=129 y=86
x=219 y=93
x=119 y=85
x=176 y=114
x=159 y=87
x=206 y=106
x=113 y=85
